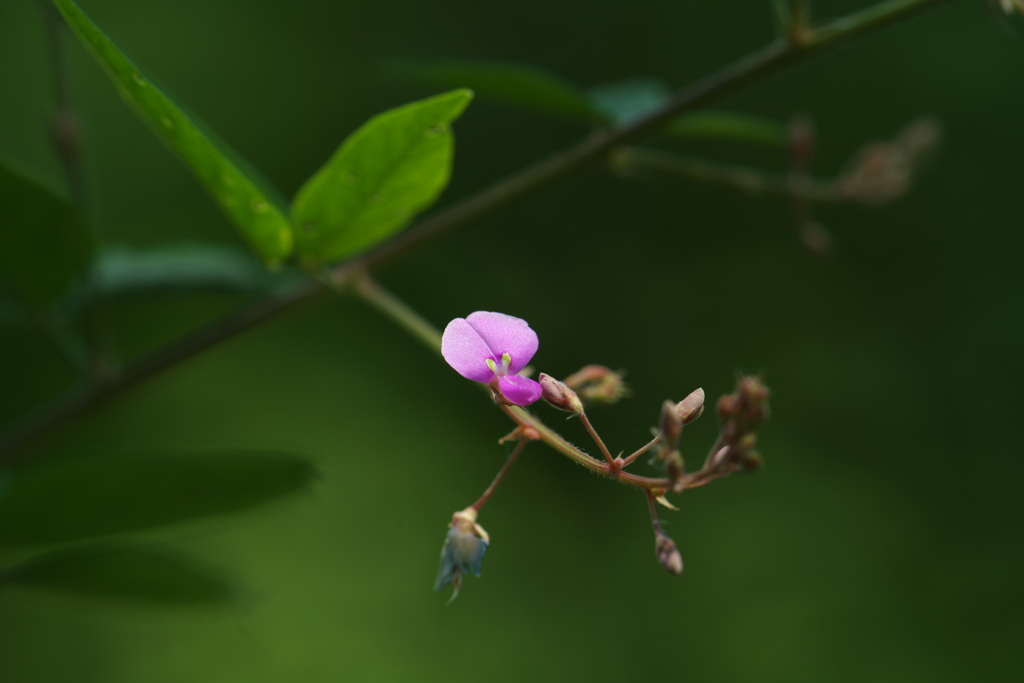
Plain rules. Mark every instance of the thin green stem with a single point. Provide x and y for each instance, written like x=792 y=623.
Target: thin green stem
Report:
x=753 y=181
x=65 y=136
x=501 y=474
x=399 y=311
x=517 y=187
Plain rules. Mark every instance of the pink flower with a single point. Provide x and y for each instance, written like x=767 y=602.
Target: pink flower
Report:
x=493 y=348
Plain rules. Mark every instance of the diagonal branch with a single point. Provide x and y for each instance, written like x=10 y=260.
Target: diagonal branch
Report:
x=519 y=186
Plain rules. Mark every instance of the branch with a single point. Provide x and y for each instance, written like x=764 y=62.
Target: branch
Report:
x=594 y=149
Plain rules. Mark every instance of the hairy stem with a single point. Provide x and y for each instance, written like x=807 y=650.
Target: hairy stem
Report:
x=545 y=174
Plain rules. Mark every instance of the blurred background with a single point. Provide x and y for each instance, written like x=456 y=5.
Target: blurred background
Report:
x=881 y=541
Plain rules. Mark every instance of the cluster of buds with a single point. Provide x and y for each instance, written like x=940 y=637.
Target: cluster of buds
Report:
x=597 y=385
x=741 y=414
x=884 y=171
x=494 y=349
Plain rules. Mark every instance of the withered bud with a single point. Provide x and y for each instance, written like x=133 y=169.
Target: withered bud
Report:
x=671 y=424
x=668 y=554
x=597 y=384
x=691 y=407
x=883 y=171
x=559 y=395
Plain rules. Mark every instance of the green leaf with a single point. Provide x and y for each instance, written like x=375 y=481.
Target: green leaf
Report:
x=123 y=272
x=239 y=195
x=126 y=572
x=518 y=85
x=625 y=101
x=393 y=167
x=724 y=125
x=44 y=245
x=82 y=497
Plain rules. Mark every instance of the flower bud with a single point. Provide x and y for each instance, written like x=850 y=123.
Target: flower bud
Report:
x=668 y=554
x=671 y=424
x=674 y=466
x=727 y=406
x=559 y=395
x=691 y=407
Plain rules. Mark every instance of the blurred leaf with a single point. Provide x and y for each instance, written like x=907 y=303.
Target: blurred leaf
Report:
x=83 y=497
x=625 y=101
x=124 y=572
x=725 y=125
x=123 y=272
x=389 y=170
x=518 y=85
x=238 y=194
x=44 y=245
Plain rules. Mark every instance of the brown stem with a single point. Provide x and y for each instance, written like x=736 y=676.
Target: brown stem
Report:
x=501 y=474
x=600 y=443
x=643 y=449
x=653 y=509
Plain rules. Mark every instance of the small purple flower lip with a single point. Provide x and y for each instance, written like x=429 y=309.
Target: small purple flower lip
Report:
x=493 y=347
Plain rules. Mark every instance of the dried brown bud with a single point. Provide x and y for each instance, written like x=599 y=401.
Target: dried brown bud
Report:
x=691 y=407
x=668 y=554
x=559 y=395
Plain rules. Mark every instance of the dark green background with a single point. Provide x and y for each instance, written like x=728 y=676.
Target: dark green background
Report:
x=880 y=543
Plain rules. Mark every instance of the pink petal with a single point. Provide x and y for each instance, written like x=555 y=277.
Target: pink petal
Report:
x=505 y=334
x=466 y=351
x=519 y=390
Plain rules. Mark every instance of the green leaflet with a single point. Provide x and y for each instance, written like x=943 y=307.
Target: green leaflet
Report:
x=123 y=273
x=83 y=497
x=518 y=85
x=240 y=196
x=44 y=244
x=394 y=166
x=125 y=572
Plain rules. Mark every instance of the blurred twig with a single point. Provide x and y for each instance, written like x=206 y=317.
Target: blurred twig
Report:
x=754 y=67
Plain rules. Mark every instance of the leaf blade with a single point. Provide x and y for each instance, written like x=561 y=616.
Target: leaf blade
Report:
x=518 y=85
x=85 y=497
x=250 y=207
x=44 y=244
x=391 y=168
x=124 y=572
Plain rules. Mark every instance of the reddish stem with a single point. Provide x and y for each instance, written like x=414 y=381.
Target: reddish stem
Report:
x=600 y=444
x=501 y=474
